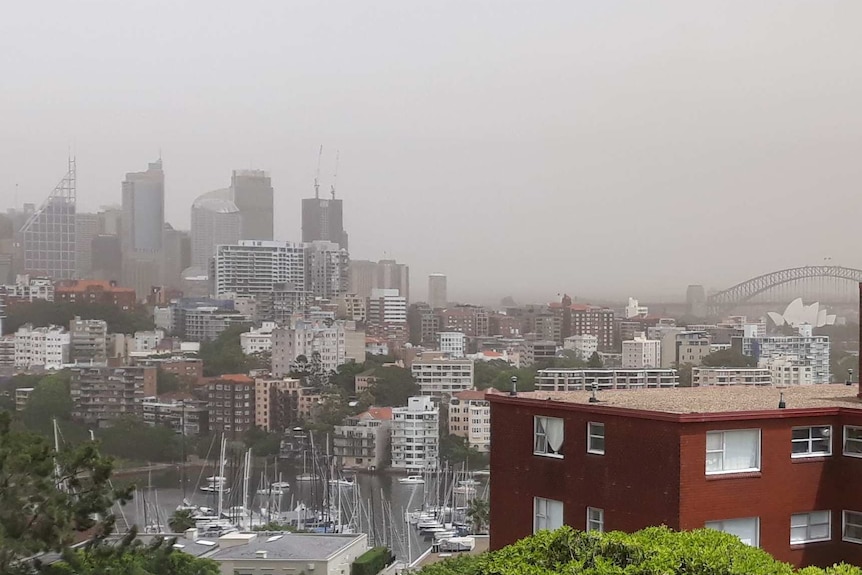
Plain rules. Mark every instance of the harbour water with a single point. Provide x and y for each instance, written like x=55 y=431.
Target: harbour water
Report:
x=376 y=504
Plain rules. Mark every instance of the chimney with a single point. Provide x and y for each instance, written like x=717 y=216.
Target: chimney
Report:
x=260 y=554
x=191 y=534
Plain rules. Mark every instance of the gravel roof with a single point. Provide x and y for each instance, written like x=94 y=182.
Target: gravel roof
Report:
x=713 y=399
x=289 y=546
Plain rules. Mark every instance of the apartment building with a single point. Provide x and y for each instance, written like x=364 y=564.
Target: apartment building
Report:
x=584 y=345
x=581 y=319
x=387 y=318
x=206 y=323
x=257 y=340
x=185 y=415
x=336 y=343
x=640 y=353
x=416 y=435
x=41 y=347
x=788 y=370
x=22 y=396
x=803 y=350
x=188 y=369
x=363 y=443
x=88 y=340
x=439 y=376
x=470 y=417
x=276 y=403
x=567 y=379
x=452 y=343
x=95 y=292
x=763 y=464
x=147 y=340
x=101 y=394
x=7 y=351
x=703 y=376
x=231 y=404
x=353 y=307
x=692 y=347
x=28 y=289
x=254 y=267
x=470 y=320
x=534 y=351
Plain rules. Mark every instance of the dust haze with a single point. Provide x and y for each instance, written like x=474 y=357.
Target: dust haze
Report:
x=599 y=148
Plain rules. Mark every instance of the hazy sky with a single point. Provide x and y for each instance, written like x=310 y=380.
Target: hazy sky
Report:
x=523 y=148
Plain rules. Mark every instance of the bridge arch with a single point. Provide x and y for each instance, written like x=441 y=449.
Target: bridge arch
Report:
x=748 y=289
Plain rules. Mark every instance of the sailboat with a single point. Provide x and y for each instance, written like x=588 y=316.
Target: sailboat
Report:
x=305 y=476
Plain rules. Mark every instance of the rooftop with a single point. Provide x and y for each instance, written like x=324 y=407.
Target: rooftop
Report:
x=288 y=546
x=470 y=394
x=724 y=399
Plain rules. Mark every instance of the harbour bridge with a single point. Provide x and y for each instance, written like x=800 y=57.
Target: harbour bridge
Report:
x=835 y=286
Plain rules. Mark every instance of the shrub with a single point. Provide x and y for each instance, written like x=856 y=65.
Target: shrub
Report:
x=371 y=562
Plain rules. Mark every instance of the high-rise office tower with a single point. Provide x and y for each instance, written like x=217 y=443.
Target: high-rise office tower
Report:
x=322 y=220
x=437 y=297
x=87 y=227
x=251 y=191
x=216 y=220
x=386 y=274
x=107 y=258
x=48 y=236
x=177 y=256
x=143 y=228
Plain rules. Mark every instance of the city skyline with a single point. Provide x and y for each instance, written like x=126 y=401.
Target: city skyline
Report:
x=683 y=126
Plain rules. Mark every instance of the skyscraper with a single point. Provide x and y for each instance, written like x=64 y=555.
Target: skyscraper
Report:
x=437 y=297
x=143 y=227
x=48 y=236
x=251 y=191
x=87 y=227
x=216 y=220
x=322 y=220
x=386 y=274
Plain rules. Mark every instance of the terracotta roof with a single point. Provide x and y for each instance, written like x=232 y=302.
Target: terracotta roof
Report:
x=84 y=285
x=235 y=377
x=381 y=413
x=470 y=394
x=712 y=399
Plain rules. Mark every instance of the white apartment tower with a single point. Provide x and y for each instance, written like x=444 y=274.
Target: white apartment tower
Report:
x=254 y=267
x=641 y=352
x=327 y=269
x=88 y=339
x=46 y=347
x=441 y=376
x=416 y=435
x=337 y=343
x=452 y=343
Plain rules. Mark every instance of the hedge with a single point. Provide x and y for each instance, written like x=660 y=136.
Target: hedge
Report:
x=652 y=551
x=371 y=562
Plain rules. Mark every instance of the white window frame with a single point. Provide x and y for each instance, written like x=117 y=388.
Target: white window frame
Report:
x=596 y=523
x=591 y=435
x=809 y=441
x=539 y=432
x=854 y=440
x=857 y=522
x=723 y=451
x=719 y=525
x=541 y=514
x=808 y=525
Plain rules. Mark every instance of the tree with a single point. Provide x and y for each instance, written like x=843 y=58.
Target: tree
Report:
x=650 y=551
x=51 y=398
x=38 y=516
x=685 y=374
x=132 y=438
x=42 y=312
x=595 y=361
x=478 y=512
x=181 y=520
x=224 y=354
x=728 y=358
x=345 y=376
x=393 y=386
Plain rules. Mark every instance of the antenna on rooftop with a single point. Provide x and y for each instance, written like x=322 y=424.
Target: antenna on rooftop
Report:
x=317 y=174
x=335 y=175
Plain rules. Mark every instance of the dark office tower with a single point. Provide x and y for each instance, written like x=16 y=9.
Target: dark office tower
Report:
x=107 y=258
x=322 y=220
x=251 y=192
x=695 y=301
x=177 y=256
x=143 y=228
x=48 y=236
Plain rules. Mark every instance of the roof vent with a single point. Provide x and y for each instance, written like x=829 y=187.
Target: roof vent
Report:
x=514 y=385
x=781 y=404
x=593 y=398
x=260 y=554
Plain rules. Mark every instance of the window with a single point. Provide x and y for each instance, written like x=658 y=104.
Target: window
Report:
x=548 y=514
x=812 y=441
x=549 y=433
x=596 y=438
x=733 y=451
x=809 y=527
x=852 y=441
x=595 y=519
x=747 y=529
x=852 y=527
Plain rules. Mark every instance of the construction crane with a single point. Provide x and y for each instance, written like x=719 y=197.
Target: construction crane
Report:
x=317 y=174
x=335 y=175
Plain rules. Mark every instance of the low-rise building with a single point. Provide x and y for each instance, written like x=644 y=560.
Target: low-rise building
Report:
x=439 y=376
x=452 y=343
x=470 y=417
x=148 y=340
x=575 y=379
x=101 y=394
x=363 y=442
x=41 y=347
x=184 y=414
x=534 y=351
x=88 y=340
x=788 y=370
x=208 y=322
x=257 y=340
x=747 y=460
x=584 y=345
x=95 y=292
x=7 y=351
x=362 y=381
x=416 y=435
x=22 y=396
x=691 y=347
x=640 y=353
x=703 y=376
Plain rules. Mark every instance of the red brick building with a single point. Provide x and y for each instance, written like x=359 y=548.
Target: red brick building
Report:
x=95 y=292
x=230 y=401
x=784 y=479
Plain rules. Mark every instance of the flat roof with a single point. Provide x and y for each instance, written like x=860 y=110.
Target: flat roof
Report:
x=289 y=546
x=709 y=399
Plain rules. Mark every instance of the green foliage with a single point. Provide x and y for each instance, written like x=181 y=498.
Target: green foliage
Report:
x=454 y=449
x=131 y=438
x=41 y=313
x=478 y=512
x=132 y=557
x=343 y=379
x=372 y=561
x=652 y=551
x=728 y=358
x=50 y=399
x=262 y=444
x=685 y=374
x=36 y=516
x=224 y=355
x=181 y=520
x=595 y=361
x=393 y=386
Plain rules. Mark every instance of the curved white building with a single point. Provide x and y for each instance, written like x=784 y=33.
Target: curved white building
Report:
x=216 y=220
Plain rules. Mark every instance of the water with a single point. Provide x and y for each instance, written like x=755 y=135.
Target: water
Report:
x=378 y=504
